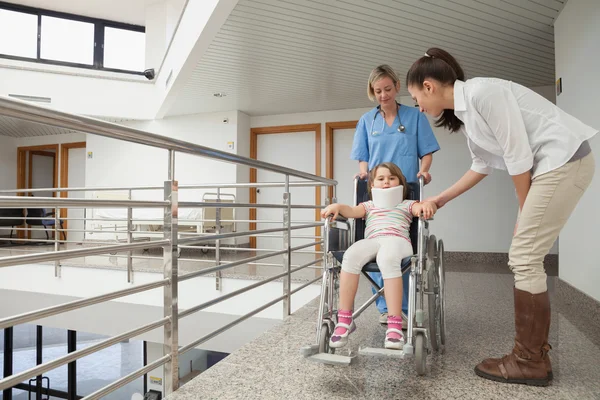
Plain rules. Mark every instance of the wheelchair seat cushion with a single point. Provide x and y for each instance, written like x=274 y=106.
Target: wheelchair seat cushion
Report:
x=372 y=266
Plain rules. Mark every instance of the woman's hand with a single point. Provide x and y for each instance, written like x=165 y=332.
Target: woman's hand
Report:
x=438 y=200
x=361 y=175
x=426 y=176
x=428 y=208
x=332 y=209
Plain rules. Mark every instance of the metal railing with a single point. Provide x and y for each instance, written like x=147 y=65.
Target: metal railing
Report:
x=171 y=240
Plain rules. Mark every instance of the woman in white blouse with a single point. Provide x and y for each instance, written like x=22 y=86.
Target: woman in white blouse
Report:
x=546 y=152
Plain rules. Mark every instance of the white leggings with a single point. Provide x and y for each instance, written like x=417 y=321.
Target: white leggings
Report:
x=388 y=251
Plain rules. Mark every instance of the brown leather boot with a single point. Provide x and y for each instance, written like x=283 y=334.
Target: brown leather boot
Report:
x=547 y=362
x=547 y=347
x=528 y=362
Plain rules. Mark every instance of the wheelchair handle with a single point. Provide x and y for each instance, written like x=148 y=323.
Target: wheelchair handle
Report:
x=421 y=188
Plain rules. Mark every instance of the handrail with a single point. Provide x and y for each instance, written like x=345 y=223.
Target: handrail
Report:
x=172 y=242
x=260 y=283
x=65 y=254
x=140 y=188
x=100 y=393
x=44 y=115
x=18 y=201
x=76 y=304
x=50 y=365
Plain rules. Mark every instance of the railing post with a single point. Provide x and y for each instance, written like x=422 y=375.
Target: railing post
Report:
x=287 y=257
x=171 y=334
x=129 y=240
x=8 y=360
x=218 y=242
x=57 y=271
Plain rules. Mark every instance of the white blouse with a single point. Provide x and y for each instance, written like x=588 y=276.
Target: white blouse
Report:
x=511 y=127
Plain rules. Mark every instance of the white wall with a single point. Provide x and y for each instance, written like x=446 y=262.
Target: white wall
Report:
x=8 y=153
x=120 y=163
x=156 y=40
x=161 y=20
x=576 y=33
x=473 y=223
x=76 y=177
x=79 y=91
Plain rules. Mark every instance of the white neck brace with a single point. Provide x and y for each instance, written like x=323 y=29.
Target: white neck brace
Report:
x=388 y=198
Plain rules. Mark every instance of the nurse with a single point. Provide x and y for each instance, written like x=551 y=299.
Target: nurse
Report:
x=394 y=133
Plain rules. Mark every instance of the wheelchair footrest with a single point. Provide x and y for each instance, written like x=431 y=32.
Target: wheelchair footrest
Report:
x=381 y=352
x=333 y=359
x=309 y=350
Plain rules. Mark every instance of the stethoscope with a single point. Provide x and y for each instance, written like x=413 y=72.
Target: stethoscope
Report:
x=401 y=128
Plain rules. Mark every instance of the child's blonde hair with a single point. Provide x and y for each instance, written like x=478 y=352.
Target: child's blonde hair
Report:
x=395 y=171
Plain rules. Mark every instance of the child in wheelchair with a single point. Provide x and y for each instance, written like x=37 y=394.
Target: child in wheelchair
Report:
x=387 y=241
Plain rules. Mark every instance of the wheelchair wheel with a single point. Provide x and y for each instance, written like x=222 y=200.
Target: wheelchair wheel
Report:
x=441 y=273
x=324 y=341
x=420 y=354
x=433 y=297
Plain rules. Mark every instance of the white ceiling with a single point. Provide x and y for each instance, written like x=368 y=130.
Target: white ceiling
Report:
x=285 y=56
x=290 y=56
x=126 y=11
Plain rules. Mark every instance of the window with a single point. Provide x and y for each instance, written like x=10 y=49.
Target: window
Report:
x=19 y=34
x=68 y=41
x=51 y=37
x=124 y=49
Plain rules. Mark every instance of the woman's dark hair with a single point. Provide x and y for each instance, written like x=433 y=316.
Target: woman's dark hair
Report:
x=437 y=64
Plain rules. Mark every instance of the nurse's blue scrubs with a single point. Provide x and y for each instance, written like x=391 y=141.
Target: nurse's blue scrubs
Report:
x=376 y=142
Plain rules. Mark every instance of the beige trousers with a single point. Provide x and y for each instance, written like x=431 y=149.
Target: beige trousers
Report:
x=551 y=199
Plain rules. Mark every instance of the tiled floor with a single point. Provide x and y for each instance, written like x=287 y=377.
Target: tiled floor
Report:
x=479 y=325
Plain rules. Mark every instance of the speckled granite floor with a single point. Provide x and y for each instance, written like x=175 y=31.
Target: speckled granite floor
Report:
x=479 y=324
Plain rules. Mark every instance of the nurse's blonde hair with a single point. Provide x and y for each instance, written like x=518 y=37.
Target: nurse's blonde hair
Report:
x=380 y=72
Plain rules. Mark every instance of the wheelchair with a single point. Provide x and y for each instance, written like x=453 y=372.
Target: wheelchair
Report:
x=426 y=329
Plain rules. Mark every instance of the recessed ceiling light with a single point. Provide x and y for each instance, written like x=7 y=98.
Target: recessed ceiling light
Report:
x=219 y=94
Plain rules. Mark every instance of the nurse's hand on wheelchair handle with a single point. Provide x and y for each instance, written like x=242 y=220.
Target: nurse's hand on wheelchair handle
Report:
x=426 y=176
x=361 y=175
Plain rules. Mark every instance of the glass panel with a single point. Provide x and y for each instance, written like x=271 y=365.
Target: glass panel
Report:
x=19 y=34
x=69 y=41
x=54 y=343
x=124 y=49
x=1 y=356
x=106 y=366
x=24 y=342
